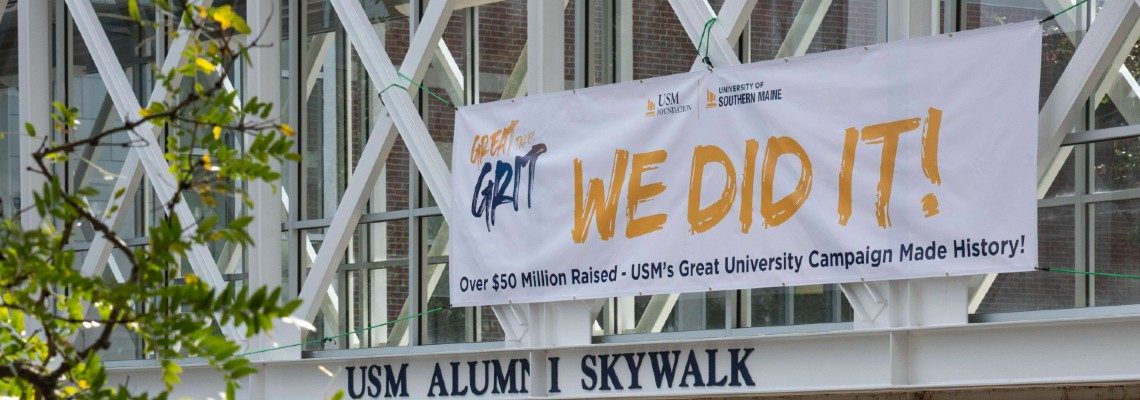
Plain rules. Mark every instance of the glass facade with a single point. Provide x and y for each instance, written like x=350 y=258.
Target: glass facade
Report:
x=395 y=261
x=9 y=116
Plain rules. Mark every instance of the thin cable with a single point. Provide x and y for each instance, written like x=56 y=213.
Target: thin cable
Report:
x=703 y=43
x=433 y=94
x=1073 y=271
x=1054 y=16
x=328 y=338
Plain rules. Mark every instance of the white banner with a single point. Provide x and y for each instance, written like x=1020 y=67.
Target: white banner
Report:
x=904 y=160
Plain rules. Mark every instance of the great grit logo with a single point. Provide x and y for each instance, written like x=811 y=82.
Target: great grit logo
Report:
x=511 y=157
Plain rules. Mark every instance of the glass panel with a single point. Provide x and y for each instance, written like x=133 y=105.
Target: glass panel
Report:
x=341 y=107
x=323 y=165
x=811 y=304
x=1116 y=161
x=445 y=80
x=1027 y=291
x=771 y=21
x=369 y=291
x=10 y=129
x=283 y=108
x=328 y=318
x=1116 y=247
x=1115 y=165
x=288 y=286
x=816 y=304
x=849 y=23
x=489 y=328
x=599 y=38
x=502 y=36
x=125 y=345
x=392 y=191
x=1065 y=184
x=845 y=23
x=451 y=325
x=660 y=44
x=1061 y=35
x=769 y=306
x=672 y=312
x=98 y=166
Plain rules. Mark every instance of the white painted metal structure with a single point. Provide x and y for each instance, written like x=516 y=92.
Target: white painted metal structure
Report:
x=907 y=335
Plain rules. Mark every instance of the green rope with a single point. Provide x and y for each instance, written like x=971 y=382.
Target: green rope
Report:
x=329 y=338
x=389 y=87
x=410 y=80
x=1051 y=17
x=703 y=43
x=1073 y=271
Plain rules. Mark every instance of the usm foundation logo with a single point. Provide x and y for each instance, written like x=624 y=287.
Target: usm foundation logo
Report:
x=666 y=103
x=710 y=99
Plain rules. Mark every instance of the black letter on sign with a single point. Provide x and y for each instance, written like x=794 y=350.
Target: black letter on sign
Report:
x=554 y=375
x=739 y=368
x=437 y=383
x=374 y=377
x=397 y=383
x=589 y=372
x=528 y=160
x=351 y=382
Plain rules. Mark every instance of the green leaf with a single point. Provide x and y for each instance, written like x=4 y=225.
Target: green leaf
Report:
x=133 y=10
x=170 y=373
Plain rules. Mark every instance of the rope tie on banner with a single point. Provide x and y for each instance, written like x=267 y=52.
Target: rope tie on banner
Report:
x=703 y=43
x=1054 y=16
x=1076 y=272
x=331 y=337
x=412 y=81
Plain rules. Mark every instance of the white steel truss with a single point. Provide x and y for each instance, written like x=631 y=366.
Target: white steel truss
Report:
x=1105 y=45
x=149 y=155
x=1093 y=61
x=1097 y=54
x=402 y=119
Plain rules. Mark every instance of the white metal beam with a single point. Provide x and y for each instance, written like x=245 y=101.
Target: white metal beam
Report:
x=34 y=33
x=731 y=21
x=694 y=14
x=516 y=82
x=264 y=264
x=451 y=73
x=402 y=115
x=129 y=178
